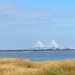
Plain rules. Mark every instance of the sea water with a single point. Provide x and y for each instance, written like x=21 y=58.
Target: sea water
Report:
x=40 y=55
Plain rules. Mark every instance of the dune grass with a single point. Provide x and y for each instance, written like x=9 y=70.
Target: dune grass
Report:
x=14 y=66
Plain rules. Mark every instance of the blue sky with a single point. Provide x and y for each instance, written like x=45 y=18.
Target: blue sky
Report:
x=24 y=22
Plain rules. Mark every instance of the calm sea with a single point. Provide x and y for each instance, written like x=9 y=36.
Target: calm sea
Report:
x=40 y=56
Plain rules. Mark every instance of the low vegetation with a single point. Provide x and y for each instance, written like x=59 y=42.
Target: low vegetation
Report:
x=11 y=66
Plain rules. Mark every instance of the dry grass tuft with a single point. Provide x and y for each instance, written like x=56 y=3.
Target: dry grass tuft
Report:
x=14 y=66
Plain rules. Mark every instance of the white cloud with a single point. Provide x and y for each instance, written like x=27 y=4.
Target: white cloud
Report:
x=11 y=13
x=14 y=13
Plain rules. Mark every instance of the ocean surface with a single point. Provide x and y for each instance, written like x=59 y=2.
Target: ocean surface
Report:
x=40 y=55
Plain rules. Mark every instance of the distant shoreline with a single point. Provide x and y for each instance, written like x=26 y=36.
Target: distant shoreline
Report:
x=37 y=50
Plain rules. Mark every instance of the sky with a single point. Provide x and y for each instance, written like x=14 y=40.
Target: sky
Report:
x=24 y=22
